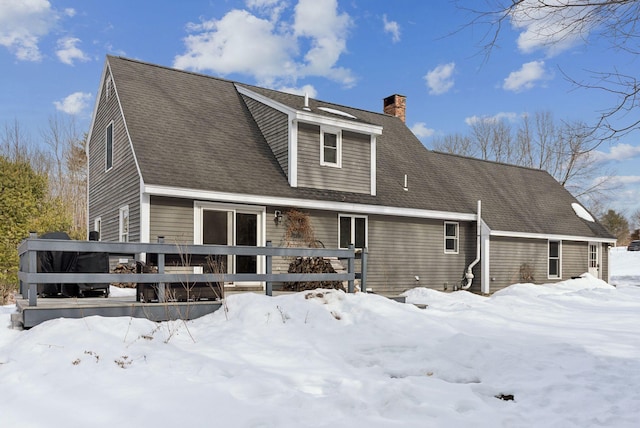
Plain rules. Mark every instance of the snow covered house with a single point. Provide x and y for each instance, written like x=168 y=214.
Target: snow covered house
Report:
x=199 y=159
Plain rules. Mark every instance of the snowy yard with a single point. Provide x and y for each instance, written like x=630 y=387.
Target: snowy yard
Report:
x=569 y=354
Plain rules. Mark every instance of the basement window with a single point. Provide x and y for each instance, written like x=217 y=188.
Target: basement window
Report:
x=451 y=233
x=331 y=148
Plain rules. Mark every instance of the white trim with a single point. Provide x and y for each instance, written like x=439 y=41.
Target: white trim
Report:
x=456 y=238
x=145 y=215
x=121 y=217
x=559 y=276
x=292 y=159
x=373 y=153
x=353 y=218
x=305 y=203
x=485 y=251
x=306 y=116
x=552 y=237
x=338 y=133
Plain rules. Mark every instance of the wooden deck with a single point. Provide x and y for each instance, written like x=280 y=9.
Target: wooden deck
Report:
x=52 y=308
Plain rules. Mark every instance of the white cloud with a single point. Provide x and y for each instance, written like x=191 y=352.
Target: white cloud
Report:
x=420 y=130
x=526 y=77
x=22 y=24
x=509 y=116
x=440 y=79
x=620 y=152
x=68 y=52
x=306 y=89
x=550 y=28
x=229 y=45
x=74 y=104
x=70 y=12
x=392 y=28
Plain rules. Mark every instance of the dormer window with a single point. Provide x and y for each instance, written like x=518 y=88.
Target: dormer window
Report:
x=331 y=147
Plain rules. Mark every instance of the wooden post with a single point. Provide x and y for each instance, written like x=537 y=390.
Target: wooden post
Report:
x=363 y=269
x=161 y=285
x=351 y=268
x=32 y=267
x=269 y=271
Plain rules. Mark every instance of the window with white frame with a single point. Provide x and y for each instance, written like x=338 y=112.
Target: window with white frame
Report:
x=555 y=259
x=97 y=226
x=352 y=230
x=109 y=147
x=124 y=224
x=451 y=234
x=331 y=147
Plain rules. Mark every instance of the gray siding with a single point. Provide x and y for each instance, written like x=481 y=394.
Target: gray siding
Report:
x=402 y=248
x=604 y=266
x=274 y=127
x=110 y=190
x=509 y=254
x=355 y=174
x=173 y=219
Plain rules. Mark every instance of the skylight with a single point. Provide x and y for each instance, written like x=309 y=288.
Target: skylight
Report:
x=581 y=212
x=338 y=112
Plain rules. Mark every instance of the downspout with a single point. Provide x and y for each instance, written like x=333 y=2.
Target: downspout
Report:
x=468 y=275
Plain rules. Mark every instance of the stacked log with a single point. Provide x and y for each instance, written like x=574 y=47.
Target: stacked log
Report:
x=311 y=265
x=138 y=267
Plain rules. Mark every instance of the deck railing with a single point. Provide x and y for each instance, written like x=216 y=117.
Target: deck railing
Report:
x=30 y=277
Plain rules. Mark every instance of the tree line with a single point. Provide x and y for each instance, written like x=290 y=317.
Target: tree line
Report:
x=43 y=186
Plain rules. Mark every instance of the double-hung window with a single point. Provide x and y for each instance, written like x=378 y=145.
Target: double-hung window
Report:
x=109 y=147
x=451 y=234
x=352 y=230
x=123 y=224
x=555 y=259
x=331 y=147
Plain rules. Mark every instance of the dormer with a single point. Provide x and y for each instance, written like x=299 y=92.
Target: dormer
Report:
x=317 y=145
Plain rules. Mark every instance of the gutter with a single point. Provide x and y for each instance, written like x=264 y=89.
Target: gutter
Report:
x=468 y=275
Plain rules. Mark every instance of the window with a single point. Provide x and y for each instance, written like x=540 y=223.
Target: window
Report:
x=331 y=148
x=451 y=237
x=555 y=259
x=124 y=224
x=109 y=146
x=352 y=230
x=97 y=226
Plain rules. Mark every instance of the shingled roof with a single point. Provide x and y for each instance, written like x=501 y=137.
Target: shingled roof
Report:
x=194 y=131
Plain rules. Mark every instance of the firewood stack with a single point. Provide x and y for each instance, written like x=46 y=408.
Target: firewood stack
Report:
x=311 y=265
x=138 y=267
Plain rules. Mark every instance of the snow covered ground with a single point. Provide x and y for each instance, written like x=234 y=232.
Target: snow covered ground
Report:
x=569 y=354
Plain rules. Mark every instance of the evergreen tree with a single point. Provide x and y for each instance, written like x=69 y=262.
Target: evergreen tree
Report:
x=25 y=206
x=618 y=225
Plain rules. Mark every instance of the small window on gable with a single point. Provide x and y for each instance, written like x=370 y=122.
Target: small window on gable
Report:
x=555 y=259
x=352 y=230
x=123 y=224
x=109 y=146
x=331 y=148
x=451 y=233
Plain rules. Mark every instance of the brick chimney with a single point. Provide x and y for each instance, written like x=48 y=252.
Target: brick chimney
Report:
x=396 y=105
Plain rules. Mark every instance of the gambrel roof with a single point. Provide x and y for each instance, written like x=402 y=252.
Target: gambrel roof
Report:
x=192 y=131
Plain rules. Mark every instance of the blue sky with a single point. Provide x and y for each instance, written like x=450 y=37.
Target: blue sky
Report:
x=352 y=52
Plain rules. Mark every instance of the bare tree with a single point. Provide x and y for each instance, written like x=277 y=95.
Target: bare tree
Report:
x=561 y=149
x=556 y=22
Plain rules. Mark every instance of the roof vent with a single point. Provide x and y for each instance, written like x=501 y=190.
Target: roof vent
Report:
x=306 y=102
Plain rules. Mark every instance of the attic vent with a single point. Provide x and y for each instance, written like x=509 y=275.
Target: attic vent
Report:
x=581 y=212
x=338 y=112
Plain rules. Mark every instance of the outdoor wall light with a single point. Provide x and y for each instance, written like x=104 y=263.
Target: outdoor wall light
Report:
x=277 y=218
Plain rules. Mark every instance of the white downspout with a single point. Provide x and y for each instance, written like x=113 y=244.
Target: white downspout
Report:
x=469 y=273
